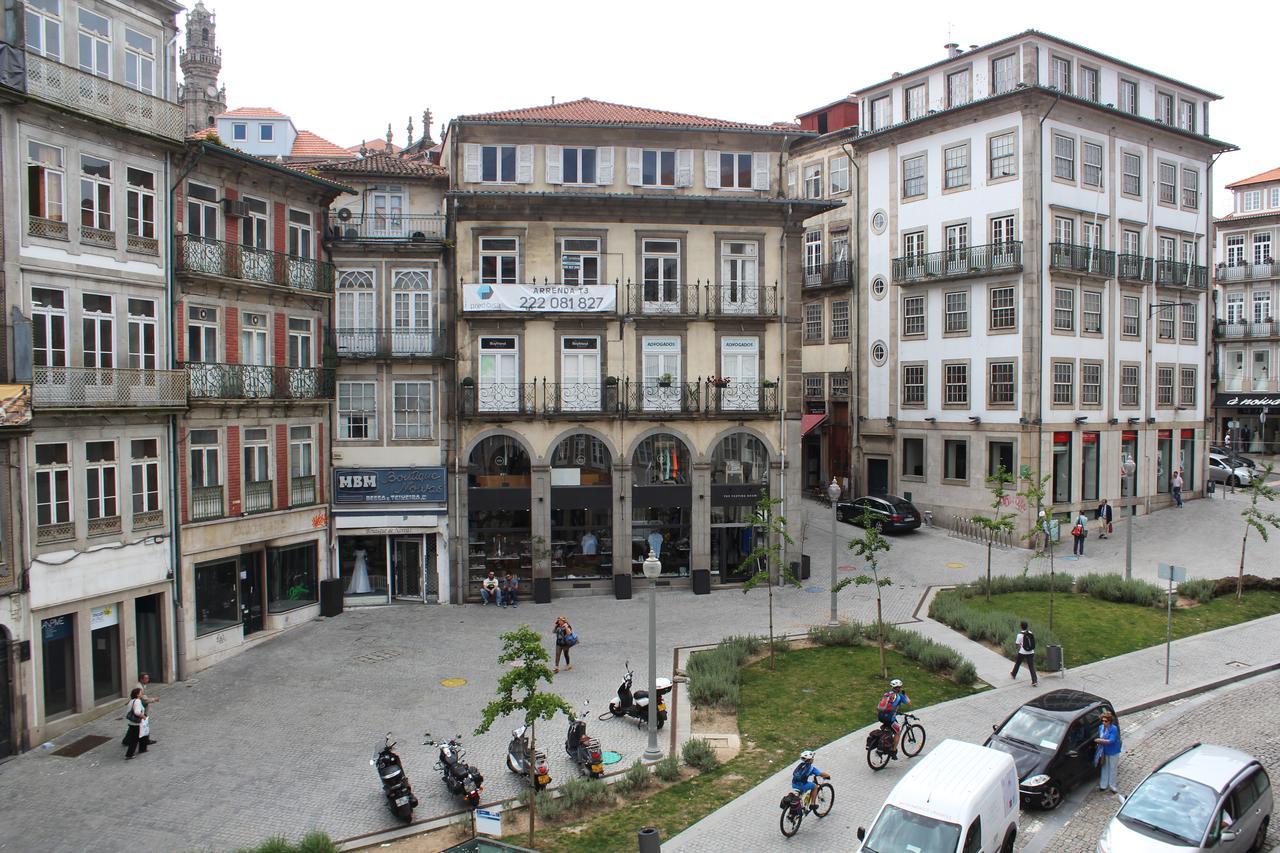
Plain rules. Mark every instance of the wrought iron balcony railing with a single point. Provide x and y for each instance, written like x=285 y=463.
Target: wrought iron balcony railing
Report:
x=959 y=263
x=206 y=503
x=580 y=399
x=419 y=342
x=657 y=399
x=742 y=397
x=259 y=496
x=302 y=490
x=108 y=388
x=498 y=399
x=1246 y=272
x=742 y=300
x=258 y=382
x=1181 y=274
x=261 y=266
x=1248 y=330
x=833 y=274
x=653 y=298
x=1089 y=260
x=103 y=99
x=1136 y=268
x=381 y=227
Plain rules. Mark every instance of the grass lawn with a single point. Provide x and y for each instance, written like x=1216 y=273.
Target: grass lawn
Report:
x=815 y=696
x=1090 y=629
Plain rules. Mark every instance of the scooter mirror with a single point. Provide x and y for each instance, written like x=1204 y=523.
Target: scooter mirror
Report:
x=371 y=761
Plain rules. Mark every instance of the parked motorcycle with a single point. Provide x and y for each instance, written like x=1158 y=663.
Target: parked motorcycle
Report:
x=459 y=777
x=395 y=784
x=636 y=705
x=582 y=748
x=519 y=760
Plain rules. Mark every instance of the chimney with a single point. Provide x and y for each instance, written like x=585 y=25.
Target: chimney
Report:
x=952 y=49
x=973 y=47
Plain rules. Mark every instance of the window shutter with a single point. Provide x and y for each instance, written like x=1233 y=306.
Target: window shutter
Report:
x=555 y=164
x=760 y=171
x=604 y=166
x=633 y=166
x=471 y=163
x=684 y=167
x=524 y=164
x=711 y=169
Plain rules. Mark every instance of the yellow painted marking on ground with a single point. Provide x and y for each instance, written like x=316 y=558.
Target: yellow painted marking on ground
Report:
x=955 y=565
x=452 y=682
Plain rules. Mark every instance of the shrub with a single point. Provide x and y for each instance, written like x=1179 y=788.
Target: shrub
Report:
x=966 y=673
x=933 y=656
x=1116 y=588
x=668 y=769
x=1016 y=583
x=550 y=806
x=636 y=778
x=992 y=626
x=275 y=844
x=581 y=793
x=1199 y=589
x=699 y=755
x=317 y=842
x=713 y=674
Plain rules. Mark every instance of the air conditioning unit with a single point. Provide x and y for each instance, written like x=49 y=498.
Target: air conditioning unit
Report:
x=235 y=207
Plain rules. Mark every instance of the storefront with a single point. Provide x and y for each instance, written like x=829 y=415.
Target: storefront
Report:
x=498 y=502
x=661 y=504
x=1247 y=417
x=739 y=478
x=581 y=509
x=264 y=587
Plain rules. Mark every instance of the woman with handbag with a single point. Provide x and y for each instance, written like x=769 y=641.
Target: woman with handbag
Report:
x=566 y=638
x=1078 y=533
x=135 y=738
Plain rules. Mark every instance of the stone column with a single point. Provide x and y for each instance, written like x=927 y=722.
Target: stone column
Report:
x=540 y=532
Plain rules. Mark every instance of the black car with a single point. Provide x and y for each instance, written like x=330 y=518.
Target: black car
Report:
x=1051 y=741
x=890 y=512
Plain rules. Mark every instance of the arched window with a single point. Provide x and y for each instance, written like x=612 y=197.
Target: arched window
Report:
x=204 y=35
x=498 y=499
x=498 y=461
x=581 y=508
x=660 y=460
x=661 y=503
x=740 y=458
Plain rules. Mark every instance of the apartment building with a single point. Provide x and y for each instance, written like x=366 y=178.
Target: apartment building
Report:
x=1248 y=337
x=1034 y=239
x=252 y=305
x=89 y=128
x=628 y=345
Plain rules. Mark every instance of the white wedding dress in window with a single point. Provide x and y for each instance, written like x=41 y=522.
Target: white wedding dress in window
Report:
x=360 y=576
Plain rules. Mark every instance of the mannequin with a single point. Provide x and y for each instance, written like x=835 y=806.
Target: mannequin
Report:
x=360 y=574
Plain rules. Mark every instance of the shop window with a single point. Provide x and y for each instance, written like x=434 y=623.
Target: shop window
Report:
x=362 y=565
x=739 y=478
x=104 y=627
x=581 y=508
x=1129 y=450
x=1089 y=466
x=1061 y=467
x=1164 y=461
x=58 y=645
x=291 y=577
x=498 y=501
x=1188 y=461
x=661 y=503
x=217 y=596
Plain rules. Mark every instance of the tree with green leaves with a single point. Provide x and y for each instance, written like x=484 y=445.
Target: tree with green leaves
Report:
x=518 y=693
x=1255 y=517
x=867 y=546
x=767 y=556
x=1035 y=491
x=998 y=522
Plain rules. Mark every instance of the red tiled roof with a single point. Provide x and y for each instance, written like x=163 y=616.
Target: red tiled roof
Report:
x=1265 y=177
x=383 y=164
x=1256 y=214
x=308 y=144
x=252 y=112
x=589 y=111
x=375 y=146
x=204 y=134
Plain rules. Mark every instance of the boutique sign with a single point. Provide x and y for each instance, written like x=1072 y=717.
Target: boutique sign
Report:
x=1247 y=400
x=540 y=298
x=390 y=485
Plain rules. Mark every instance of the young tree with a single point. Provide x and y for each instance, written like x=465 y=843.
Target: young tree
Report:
x=998 y=522
x=770 y=536
x=1255 y=517
x=1035 y=491
x=518 y=692
x=867 y=546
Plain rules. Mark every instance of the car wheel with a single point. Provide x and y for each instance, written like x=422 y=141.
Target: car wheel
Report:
x=1052 y=796
x=1260 y=840
x=1235 y=481
x=1007 y=846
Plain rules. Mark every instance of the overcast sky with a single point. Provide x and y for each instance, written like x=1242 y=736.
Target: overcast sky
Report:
x=345 y=68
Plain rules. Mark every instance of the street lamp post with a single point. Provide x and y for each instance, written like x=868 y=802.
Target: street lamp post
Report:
x=1128 y=466
x=833 y=492
x=653 y=568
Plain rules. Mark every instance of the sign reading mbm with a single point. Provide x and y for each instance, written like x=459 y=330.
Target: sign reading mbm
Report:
x=390 y=485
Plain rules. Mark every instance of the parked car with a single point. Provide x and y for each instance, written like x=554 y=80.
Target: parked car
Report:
x=1051 y=741
x=1221 y=470
x=1204 y=798
x=890 y=511
x=1235 y=457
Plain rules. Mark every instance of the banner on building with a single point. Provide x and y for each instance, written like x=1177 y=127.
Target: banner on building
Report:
x=15 y=405
x=540 y=298
x=390 y=485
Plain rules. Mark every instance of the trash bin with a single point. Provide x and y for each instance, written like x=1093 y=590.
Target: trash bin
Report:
x=622 y=586
x=331 y=597
x=701 y=581
x=804 y=569
x=542 y=590
x=650 y=841
x=1053 y=659
x=1210 y=489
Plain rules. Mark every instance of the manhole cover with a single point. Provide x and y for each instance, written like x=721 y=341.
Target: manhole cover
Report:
x=452 y=682
x=82 y=745
x=610 y=757
x=377 y=655
x=955 y=565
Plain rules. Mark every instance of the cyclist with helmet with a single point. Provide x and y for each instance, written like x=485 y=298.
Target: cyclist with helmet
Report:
x=887 y=710
x=802 y=777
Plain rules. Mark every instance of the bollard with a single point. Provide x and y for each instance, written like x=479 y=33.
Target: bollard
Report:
x=649 y=840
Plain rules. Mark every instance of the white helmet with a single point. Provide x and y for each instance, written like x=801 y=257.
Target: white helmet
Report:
x=807 y=755
x=896 y=684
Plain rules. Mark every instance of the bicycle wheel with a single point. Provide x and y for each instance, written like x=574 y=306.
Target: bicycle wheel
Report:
x=824 y=798
x=913 y=740
x=877 y=759
x=789 y=822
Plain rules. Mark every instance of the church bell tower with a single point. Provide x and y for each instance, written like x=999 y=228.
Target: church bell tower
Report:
x=201 y=96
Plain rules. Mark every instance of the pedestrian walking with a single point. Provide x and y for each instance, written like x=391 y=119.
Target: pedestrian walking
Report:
x=490 y=590
x=144 y=681
x=566 y=638
x=1025 y=642
x=135 y=739
x=1108 y=752
x=1177 y=488
x=1078 y=534
x=511 y=591
x=1104 y=519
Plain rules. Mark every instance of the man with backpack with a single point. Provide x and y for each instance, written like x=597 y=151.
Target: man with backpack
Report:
x=887 y=711
x=1026 y=654
x=802 y=777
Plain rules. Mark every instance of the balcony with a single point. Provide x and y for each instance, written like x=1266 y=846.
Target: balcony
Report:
x=580 y=399
x=1180 y=274
x=148 y=518
x=408 y=342
x=1136 y=268
x=1245 y=272
x=49 y=229
x=656 y=399
x=741 y=300
x=970 y=261
x=102 y=99
x=497 y=399
x=259 y=496
x=104 y=526
x=1087 y=260
x=58 y=532
x=302 y=491
x=835 y=274
x=259 y=266
x=382 y=227
x=662 y=299
x=258 y=382
x=100 y=237
x=108 y=388
x=206 y=503
x=1247 y=330
x=739 y=398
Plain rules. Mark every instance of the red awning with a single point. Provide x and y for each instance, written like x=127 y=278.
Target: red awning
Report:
x=808 y=422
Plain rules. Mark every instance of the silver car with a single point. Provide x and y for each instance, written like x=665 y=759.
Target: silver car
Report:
x=1221 y=470
x=1204 y=798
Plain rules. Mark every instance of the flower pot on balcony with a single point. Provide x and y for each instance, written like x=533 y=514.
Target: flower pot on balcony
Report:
x=720 y=383
x=768 y=383
x=665 y=380
x=468 y=382
x=611 y=381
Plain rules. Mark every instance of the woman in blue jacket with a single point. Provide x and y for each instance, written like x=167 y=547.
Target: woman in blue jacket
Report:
x=1108 y=740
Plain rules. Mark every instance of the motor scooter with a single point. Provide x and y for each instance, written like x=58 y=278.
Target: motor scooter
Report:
x=582 y=748
x=395 y=784
x=459 y=777
x=519 y=760
x=636 y=705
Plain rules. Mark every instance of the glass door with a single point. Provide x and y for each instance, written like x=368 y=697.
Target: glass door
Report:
x=580 y=375
x=740 y=364
x=388 y=213
x=251 y=592
x=406 y=567
x=253 y=355
x=661 y=388
x=303 y=381
x=499 y=390
x=739 y=291
x=411 y=312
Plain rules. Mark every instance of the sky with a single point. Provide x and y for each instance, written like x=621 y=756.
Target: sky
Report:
x=345 y=69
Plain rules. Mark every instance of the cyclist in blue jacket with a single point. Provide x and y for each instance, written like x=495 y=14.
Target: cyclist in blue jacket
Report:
x=802 y=777
x=887 y=710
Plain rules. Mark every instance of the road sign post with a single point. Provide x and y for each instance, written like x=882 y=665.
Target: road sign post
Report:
x=1172 y=574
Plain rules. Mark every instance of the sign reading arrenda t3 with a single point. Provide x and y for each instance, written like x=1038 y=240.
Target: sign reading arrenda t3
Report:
x=390 y=485
x=540 y=298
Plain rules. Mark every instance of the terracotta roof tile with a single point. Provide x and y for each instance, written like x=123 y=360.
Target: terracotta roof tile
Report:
x=252 y=112
x=308 y=144
x=375 y=146
x=204 y=134
x=1255 y=214
x=1265 y=177
x=589 y=111
x=383 y=164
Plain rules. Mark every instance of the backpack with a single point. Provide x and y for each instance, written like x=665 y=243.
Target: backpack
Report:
x=888 y=702
x=801 y=774
x=1028 y=641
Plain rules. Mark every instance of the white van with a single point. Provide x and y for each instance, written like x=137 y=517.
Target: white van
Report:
x=960 y=798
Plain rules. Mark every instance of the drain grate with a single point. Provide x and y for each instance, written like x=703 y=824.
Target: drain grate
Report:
x=377 y=655
x=80 y=746
x=1238 y=664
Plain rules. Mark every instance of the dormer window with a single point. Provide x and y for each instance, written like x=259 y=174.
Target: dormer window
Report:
x=1060 y=74
x=881 y=113
x=266 y=132
x=958 y=92
x=1004 y=73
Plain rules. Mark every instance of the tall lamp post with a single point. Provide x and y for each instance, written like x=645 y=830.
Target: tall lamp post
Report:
x=833 y=492
x=653 y=568
x=1128 y=466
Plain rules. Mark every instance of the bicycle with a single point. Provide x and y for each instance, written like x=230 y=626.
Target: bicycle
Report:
x=880 y=742
x=819 y=800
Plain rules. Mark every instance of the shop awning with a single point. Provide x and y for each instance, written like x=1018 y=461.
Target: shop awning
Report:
x=809 y=422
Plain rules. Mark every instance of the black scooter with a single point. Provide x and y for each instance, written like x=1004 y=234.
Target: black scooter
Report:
x=395 y=784
x=519 y=760
x=460 y=778
x=582 y=748
x=636 y=705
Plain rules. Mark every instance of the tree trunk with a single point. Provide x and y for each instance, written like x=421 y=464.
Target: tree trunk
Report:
x=1240 y=576
x=770 y=583
x=884 y=671
x=989 y=533
x=533 y=779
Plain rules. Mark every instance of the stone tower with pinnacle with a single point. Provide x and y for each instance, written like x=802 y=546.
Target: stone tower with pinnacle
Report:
x=200 y=95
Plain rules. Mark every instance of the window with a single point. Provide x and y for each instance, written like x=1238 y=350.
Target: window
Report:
x=881 y=113
x=95 y=43
x=913 y=244
x=580 y=260
x=95 y=193
x=813 y=322
x=100 y=480
x=1167 y=248
x=300 y=234
x=956 y=174
x=253 y=225
x=956 y=312
x=139 y=61
x=1132 y=166
x=205 y=470
x=142 y=333
x=45 y=181
x=813 y=180
x=578 y=165
x=958 y=92
x=1003 y=311
x=1190 y=323
x=913 y=387
x=1001 y=236
x=144 y=455
x=44 y=27
x=1063 y=383
x=1129 y=385
x=412 y=410
x=498 y=164
x=839 y=174
x=1275 y=197
x=660 y=264
x=999 y=455
x=1131 y=242
x=840 y=320
x=357 y=411
x=1187 y=387
x=1129 y=308
x=266 y=132
x=1089 y=83
x=140 y=203
x=1261 y=306
x=291 y=577
x=1129 y=97
x=1091 y=234
x=1164 y=386
x=1164 y=322
x=813 y=254
x=53 y=485
x=1187 y=116
x=1261 y=248
x=1252 y=199
x=301 y=465
x=1190 y=189
x=1064 y=309
x=239 y=131
x=1060 y=74
x=913 y=176
x=735 y=170
x=913 y=457
x=1091 y=311
x=1001 y=156
x=840 y=386
x=955 y=455
x=1004 y=73
x=202 y=211
x=1235 y=250
x=1064 y=230
x=957 y=237
x=97 y=331
x=1168 y=183
x=657 y=168
x=913 y=316
x=1235 y=308
x=917 y=101
x=813 y=386
x=955 y=383
x=1001 y=384
x=1164 y=107
x=499 y=257
x=1090 y=383
x=1064 y=157
x=1091 y=157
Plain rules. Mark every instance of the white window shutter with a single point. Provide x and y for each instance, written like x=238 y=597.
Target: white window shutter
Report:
x=711 y=169
x=524 y=164
x=555 y=165
x=684 y=167
x=633 y=167
x=760 y=171
x=604 y=166
x=471 y=163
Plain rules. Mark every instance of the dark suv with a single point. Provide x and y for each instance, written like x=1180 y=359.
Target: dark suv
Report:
x=891 y=513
